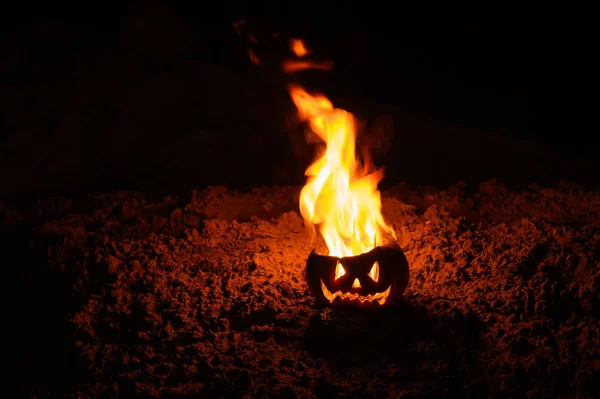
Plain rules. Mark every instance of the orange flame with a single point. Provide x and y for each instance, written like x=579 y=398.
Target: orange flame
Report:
x=251 y=37
x=298 y=47
x=238 y=24
x=341 y=196
x=291 y=66
x=253 y=58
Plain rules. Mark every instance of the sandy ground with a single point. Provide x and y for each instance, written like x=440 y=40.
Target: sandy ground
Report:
x=203 y=296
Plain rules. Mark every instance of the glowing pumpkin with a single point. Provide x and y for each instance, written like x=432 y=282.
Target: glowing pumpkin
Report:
x=373 y=279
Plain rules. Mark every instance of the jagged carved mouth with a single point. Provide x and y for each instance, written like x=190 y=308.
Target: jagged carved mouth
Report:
x=379 y=298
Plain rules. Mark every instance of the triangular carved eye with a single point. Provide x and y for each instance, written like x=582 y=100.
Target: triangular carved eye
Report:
x=339 y=271
x=374 y=273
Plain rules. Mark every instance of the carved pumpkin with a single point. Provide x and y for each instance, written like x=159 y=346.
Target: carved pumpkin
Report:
x=373 y=279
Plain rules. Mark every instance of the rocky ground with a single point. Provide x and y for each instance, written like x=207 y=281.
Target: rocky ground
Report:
x=203 y=296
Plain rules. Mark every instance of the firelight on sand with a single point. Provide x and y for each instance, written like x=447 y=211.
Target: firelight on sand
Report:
x=340 y=196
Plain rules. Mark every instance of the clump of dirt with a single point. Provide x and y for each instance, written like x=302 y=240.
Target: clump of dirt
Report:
x=204 y=296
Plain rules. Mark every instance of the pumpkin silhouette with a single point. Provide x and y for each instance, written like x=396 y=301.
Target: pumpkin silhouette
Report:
x=374 y=279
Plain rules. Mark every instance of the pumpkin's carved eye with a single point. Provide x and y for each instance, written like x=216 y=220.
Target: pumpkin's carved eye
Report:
x=339 y=271
x=374 y=273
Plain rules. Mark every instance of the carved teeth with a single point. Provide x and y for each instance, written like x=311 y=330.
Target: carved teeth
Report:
x=380 y=297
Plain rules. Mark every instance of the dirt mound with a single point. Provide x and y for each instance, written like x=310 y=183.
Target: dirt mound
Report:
x=204 y=296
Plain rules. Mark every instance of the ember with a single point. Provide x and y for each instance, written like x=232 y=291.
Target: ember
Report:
x=298 y=47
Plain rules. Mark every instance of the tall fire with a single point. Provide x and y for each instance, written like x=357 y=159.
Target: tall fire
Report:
x=365 y=266
x=342 y=201
x=340 y=196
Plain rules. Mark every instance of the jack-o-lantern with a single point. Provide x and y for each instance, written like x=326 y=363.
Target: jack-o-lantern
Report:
x=373 y=279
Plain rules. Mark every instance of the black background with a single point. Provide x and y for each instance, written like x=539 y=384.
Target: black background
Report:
x=521 y=71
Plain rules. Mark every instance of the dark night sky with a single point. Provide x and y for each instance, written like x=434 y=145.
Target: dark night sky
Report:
x=489 y=66
x=520 y=69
